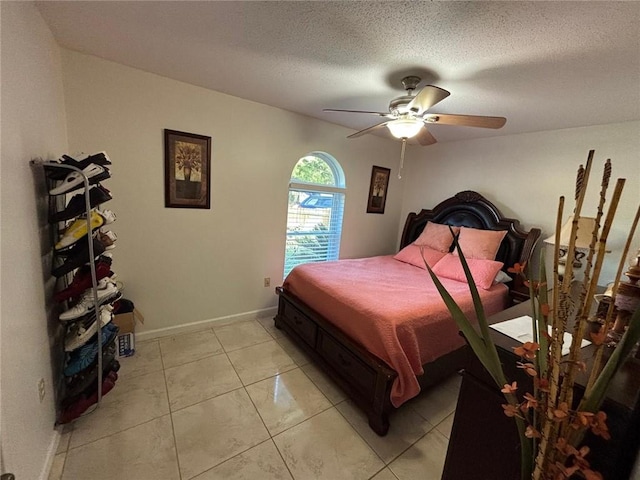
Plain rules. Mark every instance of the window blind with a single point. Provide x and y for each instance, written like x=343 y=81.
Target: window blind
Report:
x=314 y=225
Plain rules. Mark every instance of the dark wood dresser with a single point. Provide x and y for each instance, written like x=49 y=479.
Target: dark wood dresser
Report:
x=484 y=443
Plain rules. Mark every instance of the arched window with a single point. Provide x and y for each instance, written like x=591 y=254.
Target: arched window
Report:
x=316 y=204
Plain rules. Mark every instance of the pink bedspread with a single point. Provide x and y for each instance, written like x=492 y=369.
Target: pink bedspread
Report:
x=392 y=309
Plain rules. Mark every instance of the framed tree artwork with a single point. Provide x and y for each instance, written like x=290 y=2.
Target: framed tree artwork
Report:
x=187 y=174
x=378 y=189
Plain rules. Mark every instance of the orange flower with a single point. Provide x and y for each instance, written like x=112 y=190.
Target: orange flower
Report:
x=517 y=268
x=579 y=459
x=510 y=410
x=528 y=368
x=510 y=388
x=527 y=350
x=531 y=401
x=542 y=384
x=581 y=420
x=531 y=432
x=561 y=412
x=599 y=425
x=566 y=472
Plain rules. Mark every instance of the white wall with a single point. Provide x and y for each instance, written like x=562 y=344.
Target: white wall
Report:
x=186 y=265
x=33 y=125
x=524 y=175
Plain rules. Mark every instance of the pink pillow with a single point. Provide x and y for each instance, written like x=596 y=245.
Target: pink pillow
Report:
x=476 y=243
x=482 y=271
x=411 y=254
x=437 y=236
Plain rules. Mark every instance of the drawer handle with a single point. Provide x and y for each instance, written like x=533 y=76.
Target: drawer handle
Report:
x=345 y=362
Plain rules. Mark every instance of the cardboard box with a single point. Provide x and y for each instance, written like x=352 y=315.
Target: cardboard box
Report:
x=126 y=322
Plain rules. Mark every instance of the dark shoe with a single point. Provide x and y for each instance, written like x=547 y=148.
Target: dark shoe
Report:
x=76 y=206
x=123 y=305
x=74 y=180
x=100 y=158
x=78 y=256
x=82 y=280
x=83 y=382
x=80 y=406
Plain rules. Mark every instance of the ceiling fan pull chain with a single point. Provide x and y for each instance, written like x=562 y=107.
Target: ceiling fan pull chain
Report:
x=404 y=143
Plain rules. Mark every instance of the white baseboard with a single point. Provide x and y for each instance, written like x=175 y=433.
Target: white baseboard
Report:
x=51 y=453
x=195 y=326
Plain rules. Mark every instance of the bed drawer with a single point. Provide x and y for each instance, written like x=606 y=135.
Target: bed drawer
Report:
x=304 y=327
x=355 y=370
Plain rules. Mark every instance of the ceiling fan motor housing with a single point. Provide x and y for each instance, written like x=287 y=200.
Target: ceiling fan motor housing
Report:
x=399 y=105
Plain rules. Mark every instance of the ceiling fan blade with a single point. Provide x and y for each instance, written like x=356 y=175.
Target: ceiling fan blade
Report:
x=425 y=138
x=355 y=111
x=466 y=120
x=427 y=98
x=368 y=130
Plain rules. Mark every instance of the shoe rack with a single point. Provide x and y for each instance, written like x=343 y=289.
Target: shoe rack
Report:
x=57 y=183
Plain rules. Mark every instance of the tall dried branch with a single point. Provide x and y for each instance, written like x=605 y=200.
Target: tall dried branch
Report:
x=580 y=180
x=581 y=190
x=590 y=280
x=547 y=440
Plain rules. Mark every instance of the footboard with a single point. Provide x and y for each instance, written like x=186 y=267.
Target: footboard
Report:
x=365 y=378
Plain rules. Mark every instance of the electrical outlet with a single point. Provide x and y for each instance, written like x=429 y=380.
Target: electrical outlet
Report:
x=267 y=281
x=41 y=390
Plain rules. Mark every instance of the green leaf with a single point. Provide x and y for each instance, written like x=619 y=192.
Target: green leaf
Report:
x=543 y=325
x=482 y=319
x=475 y=341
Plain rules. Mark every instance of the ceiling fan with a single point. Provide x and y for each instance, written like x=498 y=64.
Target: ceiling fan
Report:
x=408 y=116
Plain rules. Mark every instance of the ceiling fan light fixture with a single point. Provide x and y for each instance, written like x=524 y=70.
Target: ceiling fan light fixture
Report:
x=405 y=127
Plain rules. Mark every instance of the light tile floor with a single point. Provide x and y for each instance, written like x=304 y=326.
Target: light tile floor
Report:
x=240 y=401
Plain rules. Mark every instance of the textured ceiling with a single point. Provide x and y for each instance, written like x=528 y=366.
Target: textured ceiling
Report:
x=543 y=65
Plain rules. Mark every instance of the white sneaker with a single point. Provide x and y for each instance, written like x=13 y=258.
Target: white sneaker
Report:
x=108 y=216
x=108 y=239
x=107 y=290
x=75 y=180
x=80 y=334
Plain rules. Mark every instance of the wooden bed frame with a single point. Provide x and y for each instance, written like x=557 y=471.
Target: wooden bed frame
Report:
x=364 y=377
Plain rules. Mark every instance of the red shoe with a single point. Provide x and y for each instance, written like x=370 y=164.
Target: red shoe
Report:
x=80 y=406
x=82 y=281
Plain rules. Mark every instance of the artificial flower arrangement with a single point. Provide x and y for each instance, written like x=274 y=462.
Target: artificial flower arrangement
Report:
x=550 y=431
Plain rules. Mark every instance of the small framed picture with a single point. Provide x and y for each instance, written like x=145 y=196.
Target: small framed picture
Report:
x=187 y=174
x=378 y=189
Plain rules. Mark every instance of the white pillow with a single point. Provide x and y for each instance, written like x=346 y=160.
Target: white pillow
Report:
x=502 y=277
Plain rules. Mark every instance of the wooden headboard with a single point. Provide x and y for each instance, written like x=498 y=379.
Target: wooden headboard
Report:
x=470 y=209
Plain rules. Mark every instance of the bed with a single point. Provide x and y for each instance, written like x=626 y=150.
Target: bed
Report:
x=370 y=344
